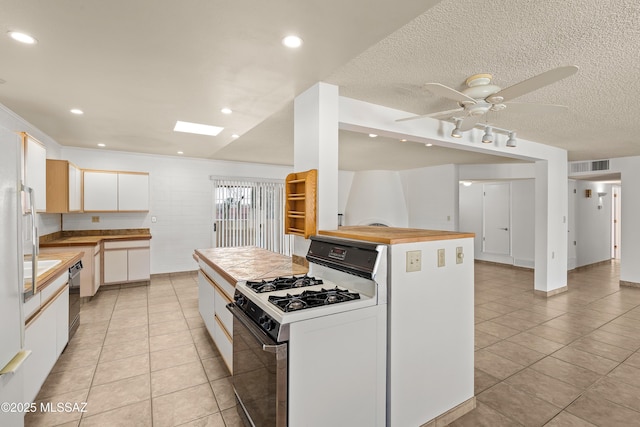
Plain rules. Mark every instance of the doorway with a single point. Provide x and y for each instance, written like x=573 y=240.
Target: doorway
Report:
x=616 y=225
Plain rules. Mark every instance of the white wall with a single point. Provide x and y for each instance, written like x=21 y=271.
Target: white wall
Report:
x=432 y=197
x=376 y=197
x=180 y=198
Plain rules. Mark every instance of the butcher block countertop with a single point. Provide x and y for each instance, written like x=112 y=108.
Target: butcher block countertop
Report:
x=393 y=235
x=67 y=260
x=91 y=237
x=248 y=263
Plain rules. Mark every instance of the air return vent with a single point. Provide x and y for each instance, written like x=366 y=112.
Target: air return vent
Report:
x=596 y=165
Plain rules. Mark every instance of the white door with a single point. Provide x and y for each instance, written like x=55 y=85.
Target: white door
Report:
x=617 y=225
x=497 y=218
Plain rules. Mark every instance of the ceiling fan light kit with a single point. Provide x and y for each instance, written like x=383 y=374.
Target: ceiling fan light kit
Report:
x=480 y=97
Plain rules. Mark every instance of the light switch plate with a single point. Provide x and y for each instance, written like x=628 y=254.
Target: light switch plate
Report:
x=440 y=257
x=459 y=255
x=414 y=261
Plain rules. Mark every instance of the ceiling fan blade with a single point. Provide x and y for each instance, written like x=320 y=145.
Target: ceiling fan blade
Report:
x=533 y=83
x=446 y=92
x=437 y=114
x=469 y=122
x=523 y=107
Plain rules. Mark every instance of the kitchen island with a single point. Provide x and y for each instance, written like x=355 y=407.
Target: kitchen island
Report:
x=430 y=322
x=220 y=270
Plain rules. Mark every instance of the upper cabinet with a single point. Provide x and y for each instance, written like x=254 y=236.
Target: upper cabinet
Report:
x=35 y=169
x=300 y=203
x=115 y=191
x=64 y=186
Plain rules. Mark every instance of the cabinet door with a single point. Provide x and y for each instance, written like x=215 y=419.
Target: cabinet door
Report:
x=138 y=261
x=74 y=188
x=100 y=191
x=133 y=191
x=35 y=170
x=40 y=338
x=115 y=266
x=206 y=302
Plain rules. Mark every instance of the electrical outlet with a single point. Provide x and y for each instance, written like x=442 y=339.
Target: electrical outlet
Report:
x=154 y=219
x=414 y=261
x=95 y=219
x=440 y=257
x=459 y=255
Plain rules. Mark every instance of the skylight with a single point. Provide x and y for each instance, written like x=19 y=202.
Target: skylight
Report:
x=197 y=128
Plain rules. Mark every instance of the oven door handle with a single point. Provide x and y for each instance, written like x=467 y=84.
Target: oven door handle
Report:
x=267 y=343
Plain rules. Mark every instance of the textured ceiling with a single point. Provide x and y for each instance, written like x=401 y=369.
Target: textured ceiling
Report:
x=136 y=67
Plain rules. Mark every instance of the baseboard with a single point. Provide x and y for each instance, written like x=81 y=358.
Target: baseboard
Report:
x=514 y=267
x=595 y=264
x=551 y=293
x=629 y=284
x=452 y=414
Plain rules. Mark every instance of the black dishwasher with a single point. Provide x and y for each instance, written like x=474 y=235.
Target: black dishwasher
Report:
x=74 y=297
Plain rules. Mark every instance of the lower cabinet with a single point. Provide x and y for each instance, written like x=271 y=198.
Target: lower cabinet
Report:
x=213 y=296
x=90 y=278
x=46 y=335
x=127 y=261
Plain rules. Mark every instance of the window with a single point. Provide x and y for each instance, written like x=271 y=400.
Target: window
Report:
x=250 y=213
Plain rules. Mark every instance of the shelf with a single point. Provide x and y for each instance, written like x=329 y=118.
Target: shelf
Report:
x=300 y=203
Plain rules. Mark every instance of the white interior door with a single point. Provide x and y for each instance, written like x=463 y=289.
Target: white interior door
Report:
x=497 y=218
x=617 y=225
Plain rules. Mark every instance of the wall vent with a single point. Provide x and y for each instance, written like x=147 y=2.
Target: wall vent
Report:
x=596 y=165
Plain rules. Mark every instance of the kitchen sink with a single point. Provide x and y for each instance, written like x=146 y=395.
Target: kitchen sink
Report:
x=43 y=266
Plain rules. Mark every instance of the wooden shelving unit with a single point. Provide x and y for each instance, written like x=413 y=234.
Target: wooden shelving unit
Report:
x=300 y=203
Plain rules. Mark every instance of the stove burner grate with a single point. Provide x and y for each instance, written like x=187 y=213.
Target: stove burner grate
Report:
x=281 y=283
x=310 y=299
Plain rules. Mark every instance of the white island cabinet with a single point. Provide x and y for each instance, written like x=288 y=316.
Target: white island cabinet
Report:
x=115 y=191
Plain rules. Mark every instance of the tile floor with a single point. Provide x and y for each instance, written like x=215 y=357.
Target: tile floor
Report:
x=142 y=356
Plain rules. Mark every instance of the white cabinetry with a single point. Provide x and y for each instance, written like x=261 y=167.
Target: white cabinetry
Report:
x=112 y=191
x=126 y=261
x=35 y=169
x=46 y=335
x=90 y=278
x=214 y=293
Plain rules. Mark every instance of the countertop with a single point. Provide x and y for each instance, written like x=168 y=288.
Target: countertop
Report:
x=248 y=263
x=44 y=279
x=91 y=237
x=393 y=235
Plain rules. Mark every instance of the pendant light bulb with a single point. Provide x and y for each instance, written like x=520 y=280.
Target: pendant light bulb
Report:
x=455 y=133
x=487 y=138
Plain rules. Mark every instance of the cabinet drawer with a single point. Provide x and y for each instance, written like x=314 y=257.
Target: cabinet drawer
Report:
x=224 y=343
x=126 y=244
x=31 y=305
x=53 y=288
x=224 y=315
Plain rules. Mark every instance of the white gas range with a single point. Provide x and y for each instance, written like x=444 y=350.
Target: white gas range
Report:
x=312 y=350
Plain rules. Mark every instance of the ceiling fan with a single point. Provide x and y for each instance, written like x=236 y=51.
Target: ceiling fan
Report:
x=481 y=96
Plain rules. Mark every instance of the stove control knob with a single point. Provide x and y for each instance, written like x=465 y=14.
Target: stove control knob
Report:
x=267 y=323
x=240 y=300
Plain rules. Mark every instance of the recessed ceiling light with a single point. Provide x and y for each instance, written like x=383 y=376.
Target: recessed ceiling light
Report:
x=403 y=140
x=428 y=144
x=372 y=135
x=22 y=37
x=197 y=128
x=292 y=41
x=180 y=152
x=102 y=145
x=235 y=135
x=76 y=111
x=226 y=110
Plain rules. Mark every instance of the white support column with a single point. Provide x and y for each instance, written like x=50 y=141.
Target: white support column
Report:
x=315 y=138
x=551 y=210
